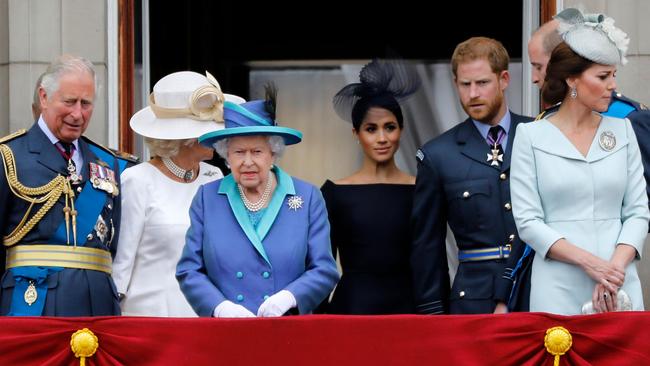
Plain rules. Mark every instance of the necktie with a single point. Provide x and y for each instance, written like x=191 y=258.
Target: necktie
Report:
x=494 y=138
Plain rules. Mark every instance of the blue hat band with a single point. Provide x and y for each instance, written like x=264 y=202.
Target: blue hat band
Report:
x=238 y=116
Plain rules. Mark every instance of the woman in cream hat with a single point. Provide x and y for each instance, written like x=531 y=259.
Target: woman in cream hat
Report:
x=156 y=195
x=259 y=240
x=578 y=193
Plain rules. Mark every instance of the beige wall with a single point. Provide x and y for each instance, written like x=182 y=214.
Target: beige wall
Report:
x=32 y=34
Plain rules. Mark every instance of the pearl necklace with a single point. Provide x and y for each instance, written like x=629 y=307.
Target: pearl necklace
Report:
x=254 y=207
x=185 y=175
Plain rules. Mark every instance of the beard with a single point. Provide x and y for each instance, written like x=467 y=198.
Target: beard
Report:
x=489 y=110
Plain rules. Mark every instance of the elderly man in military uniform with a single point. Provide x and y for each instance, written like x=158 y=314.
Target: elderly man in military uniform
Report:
x=463 y=180
x=59 y=196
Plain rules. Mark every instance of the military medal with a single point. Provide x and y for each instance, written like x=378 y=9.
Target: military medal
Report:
x=30 y=295
x=607 y=140
x=73 y=177
x=103 y=178
x=495 y=135
x=495 y=156
x=295 y=202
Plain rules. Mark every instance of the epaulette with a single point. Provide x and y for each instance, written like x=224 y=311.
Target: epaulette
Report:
x=551 y=109
x=12 y=136
x=125 y=156
x=88 y=140
x=631 y=102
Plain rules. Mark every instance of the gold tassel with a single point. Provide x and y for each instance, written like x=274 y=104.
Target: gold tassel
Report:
x=557 y=341
x=84 y=343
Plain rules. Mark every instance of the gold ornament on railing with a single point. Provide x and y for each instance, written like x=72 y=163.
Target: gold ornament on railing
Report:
x=558 y=341
x=84 y=343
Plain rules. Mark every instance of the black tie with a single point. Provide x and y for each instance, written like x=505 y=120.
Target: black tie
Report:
x=493 y=137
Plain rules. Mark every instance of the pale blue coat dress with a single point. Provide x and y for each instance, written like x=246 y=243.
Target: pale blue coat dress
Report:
x=593 y=202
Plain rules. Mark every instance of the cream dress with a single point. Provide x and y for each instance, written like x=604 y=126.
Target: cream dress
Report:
x=155 y=218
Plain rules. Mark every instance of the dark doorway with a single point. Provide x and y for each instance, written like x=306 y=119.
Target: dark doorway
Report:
x=221 y=36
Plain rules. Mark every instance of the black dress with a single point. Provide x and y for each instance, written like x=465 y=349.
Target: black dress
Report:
x=370 y=227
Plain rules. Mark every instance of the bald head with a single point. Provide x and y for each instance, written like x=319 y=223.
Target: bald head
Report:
x=540 y=46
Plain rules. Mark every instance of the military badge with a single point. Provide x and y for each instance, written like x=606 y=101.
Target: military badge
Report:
x=30 y=295
x=419 y=155
x=607 y=140
x=295 y=202
x=100 y=228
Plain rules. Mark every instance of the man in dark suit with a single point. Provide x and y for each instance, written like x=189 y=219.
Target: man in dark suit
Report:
x=59 y=198
x=463 y=181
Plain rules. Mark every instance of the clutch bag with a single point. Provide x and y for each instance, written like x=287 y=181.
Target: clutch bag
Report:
x=623 y=301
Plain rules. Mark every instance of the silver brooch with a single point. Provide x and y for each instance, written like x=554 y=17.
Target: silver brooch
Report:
x=607 y=140
x=295 y=202
x=210 y=173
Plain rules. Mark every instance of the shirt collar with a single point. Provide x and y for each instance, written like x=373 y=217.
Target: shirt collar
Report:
x=50 y=135
x=484 y=128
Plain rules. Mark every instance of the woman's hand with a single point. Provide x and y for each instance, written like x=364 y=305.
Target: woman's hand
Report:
x=228 y=309
x=277 y=304
x=603 y=300
x=605 y=273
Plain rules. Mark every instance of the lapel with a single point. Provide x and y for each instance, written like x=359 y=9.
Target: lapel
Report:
x=48 y=156
x=472 y=143
x=552 y=141
x=284 y=187
x=229 y=188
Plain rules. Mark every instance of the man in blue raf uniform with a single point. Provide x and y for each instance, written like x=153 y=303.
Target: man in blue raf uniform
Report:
x=59 y=196
x=463 y=181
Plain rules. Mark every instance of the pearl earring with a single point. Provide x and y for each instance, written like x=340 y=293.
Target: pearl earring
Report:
x=574 y=92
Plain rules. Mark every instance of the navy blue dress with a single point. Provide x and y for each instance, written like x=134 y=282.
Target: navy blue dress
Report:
x=371 y=231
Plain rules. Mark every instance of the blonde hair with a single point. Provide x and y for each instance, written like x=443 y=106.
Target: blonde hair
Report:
x=167 y=148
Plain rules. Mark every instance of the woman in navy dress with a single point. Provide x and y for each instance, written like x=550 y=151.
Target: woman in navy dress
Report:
x=370 y=210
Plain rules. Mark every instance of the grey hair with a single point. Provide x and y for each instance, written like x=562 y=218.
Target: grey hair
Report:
x=63 y=65
x=276 y=143
x=167 y=148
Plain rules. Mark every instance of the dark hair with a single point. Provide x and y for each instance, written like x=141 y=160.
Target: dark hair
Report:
x=386 y=101
x=564 y=63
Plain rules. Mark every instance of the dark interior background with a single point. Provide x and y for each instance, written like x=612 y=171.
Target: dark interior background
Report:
x=221 y=36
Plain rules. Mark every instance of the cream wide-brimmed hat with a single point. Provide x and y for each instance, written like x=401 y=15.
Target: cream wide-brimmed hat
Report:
x=183 y=105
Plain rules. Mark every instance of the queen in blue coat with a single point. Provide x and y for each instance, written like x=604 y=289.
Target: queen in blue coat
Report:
x=259 y=240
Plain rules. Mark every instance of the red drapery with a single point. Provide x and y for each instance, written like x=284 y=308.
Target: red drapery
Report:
x=512 y=339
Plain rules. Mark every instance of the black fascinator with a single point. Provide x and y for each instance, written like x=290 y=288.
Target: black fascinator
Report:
x=383 y=83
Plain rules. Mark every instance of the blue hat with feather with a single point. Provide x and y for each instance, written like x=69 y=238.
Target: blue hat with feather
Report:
x=256 y=117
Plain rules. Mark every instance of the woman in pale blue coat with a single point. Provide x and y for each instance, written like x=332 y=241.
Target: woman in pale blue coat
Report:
x=578 y=193
x=259 y=240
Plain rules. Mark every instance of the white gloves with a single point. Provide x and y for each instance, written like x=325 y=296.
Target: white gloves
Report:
x=228 y=309
x=277 y=304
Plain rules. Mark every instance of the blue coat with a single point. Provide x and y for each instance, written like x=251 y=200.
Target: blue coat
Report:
x=71 y=292
x=455 y=185
x=226 y=258
x=594 y=201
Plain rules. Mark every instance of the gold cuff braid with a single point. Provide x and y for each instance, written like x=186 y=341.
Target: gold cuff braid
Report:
x=47 y=194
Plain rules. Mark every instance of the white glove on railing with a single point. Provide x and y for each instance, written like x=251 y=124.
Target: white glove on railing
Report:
x=228 y=309
x=277 y=304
